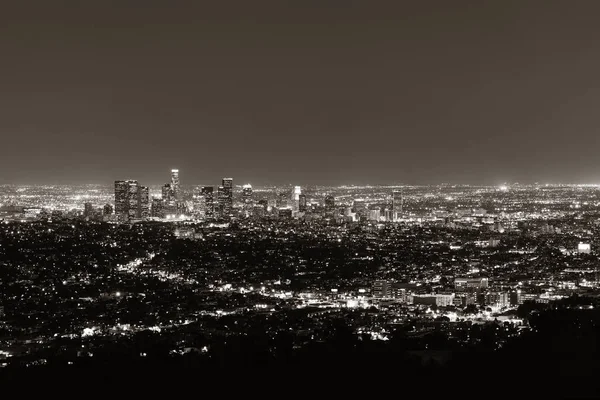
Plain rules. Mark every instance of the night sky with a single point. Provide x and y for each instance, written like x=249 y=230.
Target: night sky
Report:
x=300 y=92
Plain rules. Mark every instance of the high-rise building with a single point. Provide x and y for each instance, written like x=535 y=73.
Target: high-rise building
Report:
x=296 y=192
x=157 y=207
x=175 y=184
x=302 y=203
x=374 y=214
x=221 y=207
x=247 y=194
x=131 y=200
x=121 y=190
x=247 y=202
x=209 y=203
x=282 y=200
x=168 y=195
x=329 y=202
x=88 y=210
x=107 y=210
x=143 y=202
x=397 y=200
x=227 y=195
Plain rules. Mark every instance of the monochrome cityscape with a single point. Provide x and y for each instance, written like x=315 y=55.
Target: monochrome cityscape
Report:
x=95 y=272
x=312 y=198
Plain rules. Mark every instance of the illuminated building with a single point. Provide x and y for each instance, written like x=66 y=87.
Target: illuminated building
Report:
x=282 y=200
x=329 y=202
x=107 y=210
x=175 y=184
x=296 y=192
x=374 y=214
x=470 y=283
x=497 y=299
x=157 y=208
x=168 y=195
x=131 y=200
x=397 y=200
x=440 y=300
x=227 y=194
x=209 y=203
x=382 y=289
x=584 y=248
x=121 y=205
x=388 y=215
x=88 y=210
x=221 y=200
x=302 y=203
x=143 y=202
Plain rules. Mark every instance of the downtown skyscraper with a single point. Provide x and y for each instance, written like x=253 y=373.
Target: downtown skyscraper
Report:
x=131 y=200
x=397 y=202
x=225 y=196
x=175 y=184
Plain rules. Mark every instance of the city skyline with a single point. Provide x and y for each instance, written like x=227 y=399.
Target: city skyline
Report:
x=317 y=93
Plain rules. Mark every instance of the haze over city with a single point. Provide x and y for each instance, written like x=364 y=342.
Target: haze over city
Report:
x=309 y=92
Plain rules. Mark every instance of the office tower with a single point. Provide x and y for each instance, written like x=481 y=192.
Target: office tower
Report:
x=126 y=199
x=296 y=197
x=175 y=184
x=397 y=200
x=329 y=202
x=143 y=202
x=302 y=203
x=88 y=210
x=282 y=200
x=221 y=207
x=107 y=210
x=388 y=215
x=227 y=194
x=157 y=208
x=121 y=190
x=133 y=200
x=374 y=214
x=247 y=202
x=168 y=194
x=209 y=201
x=199 y=203
x=247 y=194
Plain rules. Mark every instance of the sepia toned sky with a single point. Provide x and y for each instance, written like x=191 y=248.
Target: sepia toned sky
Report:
x=300 y=92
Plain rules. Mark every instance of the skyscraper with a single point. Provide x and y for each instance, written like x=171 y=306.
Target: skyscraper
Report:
x=296 y=197
x=157 y=207
x=88 y=210
x=209 y=200
x=175 y=184
x=131 y=200
x=283 y=200
x=247 y=193
x=302 y=203
x=329 y=202
x=143 y=202
x=247 y=202
x=227 y=195
x=397 y=200
x=121 y=189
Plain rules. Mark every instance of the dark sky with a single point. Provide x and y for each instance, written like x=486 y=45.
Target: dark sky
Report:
x=323 y=92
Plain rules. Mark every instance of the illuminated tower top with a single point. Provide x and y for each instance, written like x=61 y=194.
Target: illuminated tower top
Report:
x=175 y=183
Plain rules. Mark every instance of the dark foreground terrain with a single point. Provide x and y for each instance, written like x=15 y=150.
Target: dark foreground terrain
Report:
x=557 y=359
